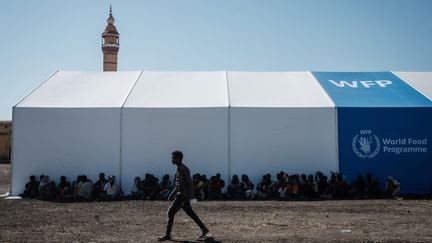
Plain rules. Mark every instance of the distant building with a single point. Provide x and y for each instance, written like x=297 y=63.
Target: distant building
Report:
x=110 y=45
x=5 y=141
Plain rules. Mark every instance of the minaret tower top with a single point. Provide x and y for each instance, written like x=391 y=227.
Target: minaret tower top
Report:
x=110 y=44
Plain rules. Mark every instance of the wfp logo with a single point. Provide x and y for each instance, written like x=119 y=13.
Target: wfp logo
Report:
x=359 y=84
x=366 y=145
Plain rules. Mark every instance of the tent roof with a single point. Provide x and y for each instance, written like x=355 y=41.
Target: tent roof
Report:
x=276 y=89
x=82 y=89
x=421 y=81
x=370 y=89
x=179 y=89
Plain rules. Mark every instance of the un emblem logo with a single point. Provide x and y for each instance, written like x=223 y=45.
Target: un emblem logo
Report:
x=366 y=145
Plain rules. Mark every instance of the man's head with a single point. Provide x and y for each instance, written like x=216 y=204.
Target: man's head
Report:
x=32 y=178
x=101 y=176
x=62 y=178
x=177 y=157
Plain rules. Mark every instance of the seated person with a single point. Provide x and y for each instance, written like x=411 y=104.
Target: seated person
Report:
x=247 y=187
x=165 y=187
x=234 y=188
x=358 y=187
x=265 y=187
x=280 y=186
x=302 y=183
x=392 y=187
x=215 y=187
x=31 y=188
x=64 y=187
x=150 y=186
x=100 y=185
x=47 y=189
x=313 y=185
x=372 y=187
x=75 y=185
x=292 y=187
x=44 y=187
x=322 y=182
x=112 y=189
x=342 y=188
x=332 y=187
x=85 y=187
x=136 y=192
x=205 y=187
x=198 y=187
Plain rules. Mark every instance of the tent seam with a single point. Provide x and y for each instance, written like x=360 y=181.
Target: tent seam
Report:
x=337 y=162
x=121 y=129
x=37 y=87
x=229 y=126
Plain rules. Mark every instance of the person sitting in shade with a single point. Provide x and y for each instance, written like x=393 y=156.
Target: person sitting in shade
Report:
x=165 y=187
x=313 y=185
x=136 y=191
x=31 y=188
x=198 y=187
x=64 y=187
x=234 y=188
x=205 y=187
x=247 y=187
x=280 y=186
x=112 y=189
x=358 y=187
x=393 y=187
x=215 y=187
x=293 y=187
x=85 y=187
x=265 y=187
x=372 y=187
x=43 y=186
x=75 y=185
x=100 y=185
x=150 y=186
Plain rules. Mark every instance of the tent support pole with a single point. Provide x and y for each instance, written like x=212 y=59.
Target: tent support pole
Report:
x=229 y=128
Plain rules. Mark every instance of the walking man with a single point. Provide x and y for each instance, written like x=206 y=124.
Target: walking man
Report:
x=182 y=194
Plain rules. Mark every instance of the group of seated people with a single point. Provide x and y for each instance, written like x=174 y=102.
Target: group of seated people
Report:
x=284 y=187
x=82 y=187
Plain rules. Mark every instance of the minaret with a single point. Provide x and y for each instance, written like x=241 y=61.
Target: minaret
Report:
x=110 y=44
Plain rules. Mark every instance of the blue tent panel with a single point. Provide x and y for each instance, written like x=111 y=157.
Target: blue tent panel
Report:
x=387 y=142
x=370 y=89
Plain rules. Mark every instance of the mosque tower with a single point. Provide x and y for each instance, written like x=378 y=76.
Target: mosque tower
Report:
x=110 y=45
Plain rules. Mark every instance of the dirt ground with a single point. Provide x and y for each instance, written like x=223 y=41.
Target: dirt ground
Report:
x=229 y=221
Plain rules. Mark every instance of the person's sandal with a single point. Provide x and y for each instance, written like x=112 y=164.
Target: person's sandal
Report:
x=164 y=238
x=204 y=234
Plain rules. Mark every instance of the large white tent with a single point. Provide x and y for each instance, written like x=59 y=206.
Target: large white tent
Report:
x=127 y=123
x=169 y=111
x=280 y=121
x=69 y=125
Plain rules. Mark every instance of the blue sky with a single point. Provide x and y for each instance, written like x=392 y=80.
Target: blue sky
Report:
x=40 y=37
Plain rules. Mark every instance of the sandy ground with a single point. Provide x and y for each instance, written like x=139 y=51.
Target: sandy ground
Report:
x=229 y=221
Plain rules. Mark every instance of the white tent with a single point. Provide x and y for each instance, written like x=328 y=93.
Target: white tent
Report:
x=70 y=125
x=421 y=81
x=280 y=121
x=169 y=111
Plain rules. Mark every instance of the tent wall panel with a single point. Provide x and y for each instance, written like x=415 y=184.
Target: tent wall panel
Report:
x=401 y=138
x=295 y=140
x=59 y=141
x=151 y=134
